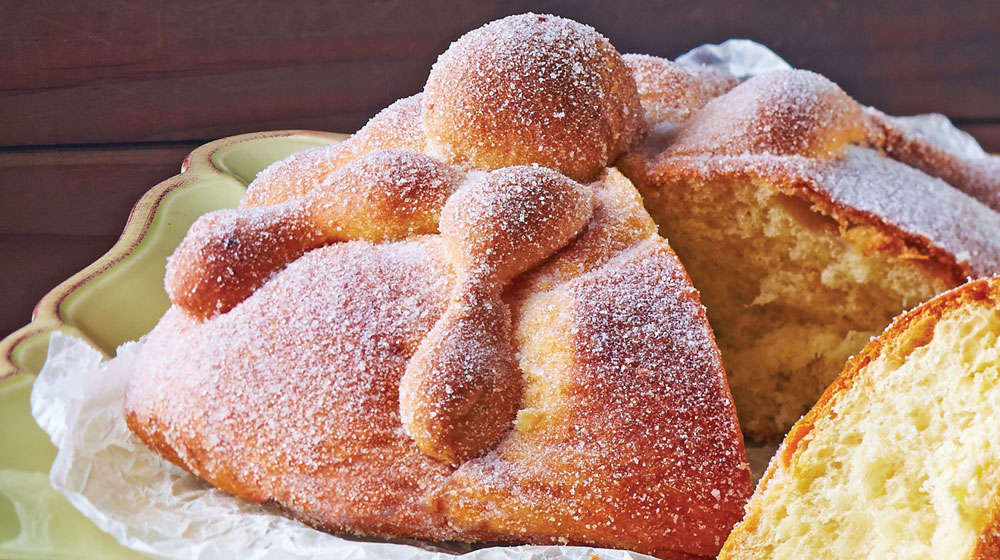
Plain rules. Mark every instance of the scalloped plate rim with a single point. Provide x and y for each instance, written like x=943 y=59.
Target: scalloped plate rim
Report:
x=198 y=164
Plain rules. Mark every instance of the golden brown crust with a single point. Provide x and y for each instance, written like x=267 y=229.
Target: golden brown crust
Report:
x=518 y=357
x=641 y=451
x=667 y=91
x=604 y=424
x=977 y=177
x=618 y=221
x=785 y=112
x=228 y=254
x=462 y=388
x=532 y=89
x=397 y=127
x=988 y=543
x=297 y=396
x=383 y=195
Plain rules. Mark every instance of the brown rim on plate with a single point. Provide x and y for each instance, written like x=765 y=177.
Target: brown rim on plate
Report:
x=47 y=315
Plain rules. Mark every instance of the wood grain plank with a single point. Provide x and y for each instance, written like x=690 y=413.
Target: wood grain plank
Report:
x=151 y=70
x=61 y=209
x=36 y=263
x=79 y=191
x=988 y=135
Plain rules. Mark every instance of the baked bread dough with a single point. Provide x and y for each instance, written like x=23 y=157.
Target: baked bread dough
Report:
x=624 y=433
x=515 y=92
x=806 y=221
x=411 y=334
x=461 y=324
x=899 y=458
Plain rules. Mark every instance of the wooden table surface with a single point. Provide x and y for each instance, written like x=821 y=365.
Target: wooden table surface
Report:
x=99 y=101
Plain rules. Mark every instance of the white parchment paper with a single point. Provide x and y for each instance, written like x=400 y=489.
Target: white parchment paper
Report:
x=741 y=58
x=150 y=505
x=154 y=507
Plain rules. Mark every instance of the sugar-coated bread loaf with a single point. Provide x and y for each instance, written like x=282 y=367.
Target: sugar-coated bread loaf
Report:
x=457 y=324
x=465 y=322
x=623 y=433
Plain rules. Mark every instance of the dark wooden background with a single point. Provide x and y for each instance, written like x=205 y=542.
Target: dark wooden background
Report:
x=100 y=100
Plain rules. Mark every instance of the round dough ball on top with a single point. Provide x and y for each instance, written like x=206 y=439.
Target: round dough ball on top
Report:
x=532 y=89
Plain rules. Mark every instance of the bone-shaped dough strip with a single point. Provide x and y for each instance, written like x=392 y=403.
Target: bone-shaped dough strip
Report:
x=384 y=195
x=462 y=388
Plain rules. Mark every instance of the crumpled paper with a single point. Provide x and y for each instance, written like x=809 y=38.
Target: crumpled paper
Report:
x=154 y=507
x=739 y=57
x=939 y=130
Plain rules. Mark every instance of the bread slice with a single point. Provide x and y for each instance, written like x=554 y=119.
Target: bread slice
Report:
x=802 y=236
x=901 y=456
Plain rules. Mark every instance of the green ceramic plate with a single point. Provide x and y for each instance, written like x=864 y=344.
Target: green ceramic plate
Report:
x=118 y=298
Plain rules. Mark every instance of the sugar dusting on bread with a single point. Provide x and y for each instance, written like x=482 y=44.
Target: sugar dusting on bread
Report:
x=671 y=93
x=947 y=218
x=803 y=237
x=298 y=395
x=637 y=405
x=476 y=332
x=328 y=367
x=395 y=127
x=643 y=474
x=785 y=112
x=978 y=177
x=532 y=89
x=382 y=195
x=462 y=388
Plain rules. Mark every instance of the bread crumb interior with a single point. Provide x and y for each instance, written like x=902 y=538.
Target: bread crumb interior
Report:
x=914 y=441
x=789 y=294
